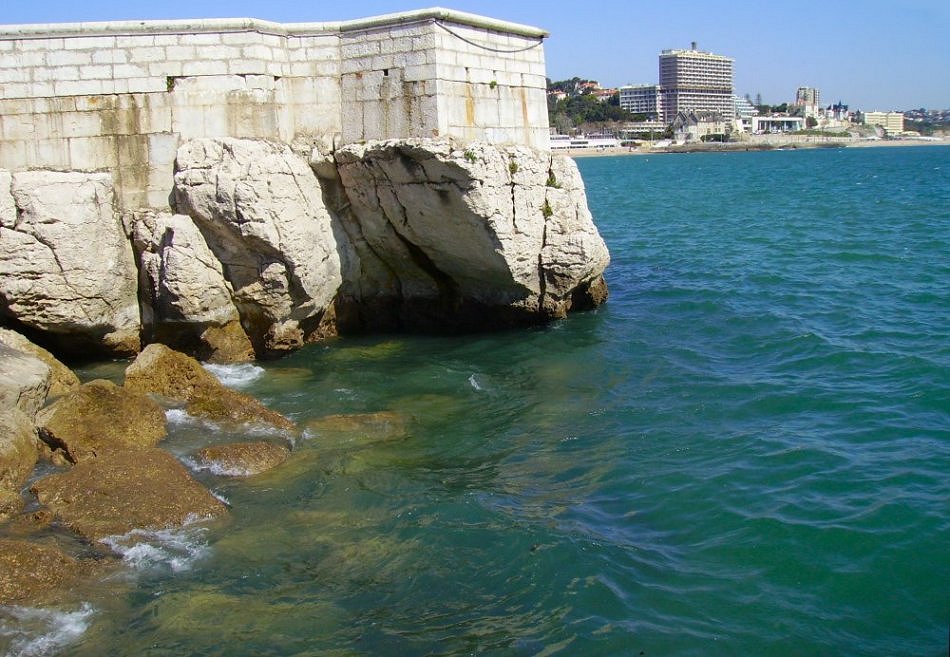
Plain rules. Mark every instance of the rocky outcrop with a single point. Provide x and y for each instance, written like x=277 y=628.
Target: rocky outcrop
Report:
x=241 y=459
x=62 y=379
x=17 y=458
x=66 y=266
x=175 y=376
x=98 y=418
x=471 y=237
x=269 y=251
x=24 y=381
x=133 y=489
x=261 y=211
x=186 y=301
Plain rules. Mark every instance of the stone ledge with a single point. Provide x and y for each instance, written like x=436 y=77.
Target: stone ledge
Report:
x=151 y=27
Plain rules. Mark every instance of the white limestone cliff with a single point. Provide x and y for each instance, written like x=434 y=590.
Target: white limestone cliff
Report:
x=268 y=251
x=261 y=211
x=66 y=265
x=496 y=235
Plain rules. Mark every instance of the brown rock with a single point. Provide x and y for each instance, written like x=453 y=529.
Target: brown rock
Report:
x=242 y=459
x=62 y=378
x=132 y=489
x=227 y=344
x=174 y=375
x=29 y=570
x=17 y=458
x=100 y=416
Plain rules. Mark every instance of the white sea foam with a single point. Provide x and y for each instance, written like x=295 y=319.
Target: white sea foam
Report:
x=214 y=468
x=237 y=375
x=173 y=549
x=28 y=631
x=474 y=383
x=179 y=416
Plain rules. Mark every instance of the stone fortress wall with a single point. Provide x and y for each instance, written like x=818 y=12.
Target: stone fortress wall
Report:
x=122 y=96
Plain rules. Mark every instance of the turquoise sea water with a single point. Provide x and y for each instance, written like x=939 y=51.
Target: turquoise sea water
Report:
x=745 y=452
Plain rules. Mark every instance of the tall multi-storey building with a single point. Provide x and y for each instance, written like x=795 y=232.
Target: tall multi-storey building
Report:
x=641 y=99
x=807 y=96
x=695 y=80
x=809 y=99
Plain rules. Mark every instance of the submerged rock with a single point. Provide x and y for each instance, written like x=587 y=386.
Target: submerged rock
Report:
x=51 y=281
x=359 y=428
x=176 y=376
x=241 y=459
x=100 y=417
x=18 y=456
x=133 y=489
x=62 y=379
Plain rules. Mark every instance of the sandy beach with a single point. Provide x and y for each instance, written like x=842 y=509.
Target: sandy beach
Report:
x=753 y=146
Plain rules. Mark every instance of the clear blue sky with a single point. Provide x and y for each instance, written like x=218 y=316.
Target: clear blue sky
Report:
x=873 y=55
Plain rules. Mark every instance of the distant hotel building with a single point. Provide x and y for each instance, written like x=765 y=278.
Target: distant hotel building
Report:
x=692 y=80
x=892 y=122
x=641 y=99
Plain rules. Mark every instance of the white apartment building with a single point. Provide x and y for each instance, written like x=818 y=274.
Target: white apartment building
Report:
x=745 y=110
x=693 y=80
x=641 y=99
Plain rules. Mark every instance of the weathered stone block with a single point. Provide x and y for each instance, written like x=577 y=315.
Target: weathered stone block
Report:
x=21 y=74
x=185 y=53
x=145 y=54
x=89 y=42
x=201 y=67
x=68 y=57
x=258 y=51
x=112 y=56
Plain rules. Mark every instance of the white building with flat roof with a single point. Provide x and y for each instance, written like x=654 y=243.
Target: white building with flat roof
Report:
x=892 y=122
x=694 y=80
x=641 y=99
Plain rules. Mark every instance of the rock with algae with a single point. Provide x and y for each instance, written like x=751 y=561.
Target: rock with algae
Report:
x=131 y=489
x=100 y=417
x=242 y=459
x=175 y=376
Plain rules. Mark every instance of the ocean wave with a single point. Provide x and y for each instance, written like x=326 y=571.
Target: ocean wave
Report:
x=29 y=631
x=235 y=375
x=176 y=549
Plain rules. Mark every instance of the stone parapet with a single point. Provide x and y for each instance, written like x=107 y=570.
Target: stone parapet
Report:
x=120 y=96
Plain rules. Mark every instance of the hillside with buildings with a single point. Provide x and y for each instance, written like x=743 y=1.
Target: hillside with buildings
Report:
x=695 y=101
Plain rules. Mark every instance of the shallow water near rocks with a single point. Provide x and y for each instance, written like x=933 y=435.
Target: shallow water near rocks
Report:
x=744 y=452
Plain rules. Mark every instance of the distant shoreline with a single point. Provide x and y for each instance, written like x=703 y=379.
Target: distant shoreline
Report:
x=741 y=147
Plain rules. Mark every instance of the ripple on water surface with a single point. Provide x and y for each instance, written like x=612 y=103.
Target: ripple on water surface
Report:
x=743 y=452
